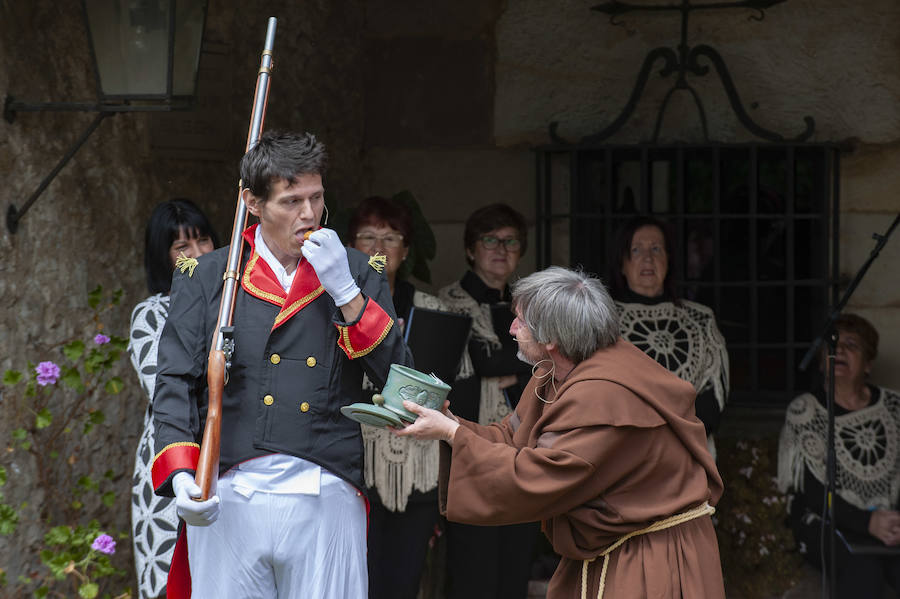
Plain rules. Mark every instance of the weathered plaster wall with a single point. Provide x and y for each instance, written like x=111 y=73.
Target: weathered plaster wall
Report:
x=430 y=89
x=562 y=62
x=567 y=63
x=88 y=226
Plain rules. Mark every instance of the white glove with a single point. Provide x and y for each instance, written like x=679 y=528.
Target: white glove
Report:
x=195 y=513
x=328 y=257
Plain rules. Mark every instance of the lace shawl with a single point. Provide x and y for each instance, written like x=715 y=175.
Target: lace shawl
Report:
x=492 y=405
x=684 y=339
x=867 y=448
x=394 y=465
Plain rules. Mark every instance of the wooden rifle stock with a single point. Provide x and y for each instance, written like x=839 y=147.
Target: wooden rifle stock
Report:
x=208 y=463
x=222 y=345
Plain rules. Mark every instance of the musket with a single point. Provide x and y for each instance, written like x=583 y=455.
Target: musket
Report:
x=222 y=347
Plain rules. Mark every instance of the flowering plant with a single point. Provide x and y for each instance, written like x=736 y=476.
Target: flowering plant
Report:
x=55 y=407
x=756 y=546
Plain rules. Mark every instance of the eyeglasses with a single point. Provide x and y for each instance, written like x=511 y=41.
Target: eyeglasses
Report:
x=511 y=244
x=368 y=240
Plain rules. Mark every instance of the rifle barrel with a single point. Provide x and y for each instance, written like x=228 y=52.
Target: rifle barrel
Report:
x=217 y=374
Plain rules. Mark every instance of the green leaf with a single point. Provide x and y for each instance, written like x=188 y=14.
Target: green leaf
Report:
x=88 y=590
x=54 y=454
x=11 y=377
x=109 y=498
x=2 y=476
x=95 y=296
x=94 y=360
x=114 y=385
x=120 y=343
x=19 y=434
x=30 y=389
x=77 y=505
x=41 y=592
x=109 y=474
x=116 y=296
x=74 y=350
x=9 y=519
x=26 y=445
x=72 y=378
x=88 y=484
x=43 y=419
x=94 y=418
x=58 y=535
x=112 y=357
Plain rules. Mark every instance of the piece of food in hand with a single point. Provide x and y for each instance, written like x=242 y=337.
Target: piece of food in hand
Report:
x=307 y=234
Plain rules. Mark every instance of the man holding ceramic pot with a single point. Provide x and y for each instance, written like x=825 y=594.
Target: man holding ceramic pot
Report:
x=604 y=448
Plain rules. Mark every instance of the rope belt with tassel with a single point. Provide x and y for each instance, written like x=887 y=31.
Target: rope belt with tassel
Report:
x=699 y=511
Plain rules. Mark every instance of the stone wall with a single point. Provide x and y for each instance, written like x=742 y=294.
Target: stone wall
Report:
x=562 y=62
x=88 y=226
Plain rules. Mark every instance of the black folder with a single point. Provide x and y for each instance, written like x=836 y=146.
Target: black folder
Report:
x=437 y=340
x=859 y=544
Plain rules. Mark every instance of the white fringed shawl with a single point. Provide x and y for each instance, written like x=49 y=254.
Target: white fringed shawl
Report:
x=684 y=339
x=867 y=448
x=492 y=405
x=394 y=465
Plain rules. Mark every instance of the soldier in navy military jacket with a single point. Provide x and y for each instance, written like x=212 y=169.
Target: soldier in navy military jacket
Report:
x=311 y=316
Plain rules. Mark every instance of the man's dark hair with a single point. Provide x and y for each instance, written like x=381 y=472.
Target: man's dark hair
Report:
x=281 y=155
x=166 y=222
x=490 y=218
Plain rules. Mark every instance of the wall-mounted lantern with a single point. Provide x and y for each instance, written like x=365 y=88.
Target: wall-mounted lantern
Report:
x=145 y=54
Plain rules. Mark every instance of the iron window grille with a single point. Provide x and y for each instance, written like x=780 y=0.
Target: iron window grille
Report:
x=756 y=239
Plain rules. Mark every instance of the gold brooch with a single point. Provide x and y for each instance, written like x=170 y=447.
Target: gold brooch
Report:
x=184 y=263
x=377 y=262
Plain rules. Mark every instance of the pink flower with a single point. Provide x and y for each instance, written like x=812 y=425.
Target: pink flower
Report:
x=47 y=373
x=101 y=339
x=104 y=544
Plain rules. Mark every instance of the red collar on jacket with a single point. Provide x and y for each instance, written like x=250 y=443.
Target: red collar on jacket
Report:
x=260 y=281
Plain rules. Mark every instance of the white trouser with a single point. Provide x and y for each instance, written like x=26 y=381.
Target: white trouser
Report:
x=282 y=546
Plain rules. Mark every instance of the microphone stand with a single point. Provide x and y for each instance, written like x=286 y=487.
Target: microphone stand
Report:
x=829 y=332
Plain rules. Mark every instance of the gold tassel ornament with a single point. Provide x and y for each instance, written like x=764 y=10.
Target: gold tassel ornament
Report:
x=183 y=263
x=378 y=261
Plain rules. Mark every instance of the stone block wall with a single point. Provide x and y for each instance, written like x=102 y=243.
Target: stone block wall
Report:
x=88 y=226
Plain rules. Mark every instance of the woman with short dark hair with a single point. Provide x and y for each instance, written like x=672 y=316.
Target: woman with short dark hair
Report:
x=401 y=474
x=176 y=228
x=489 y=561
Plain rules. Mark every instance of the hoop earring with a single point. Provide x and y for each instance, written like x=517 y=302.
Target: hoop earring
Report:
x=544 y=376
x=326 y=214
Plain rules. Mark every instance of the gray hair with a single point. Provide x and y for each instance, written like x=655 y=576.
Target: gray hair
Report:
x=569 y=308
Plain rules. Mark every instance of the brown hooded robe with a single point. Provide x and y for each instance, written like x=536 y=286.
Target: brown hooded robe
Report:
x=612 y=449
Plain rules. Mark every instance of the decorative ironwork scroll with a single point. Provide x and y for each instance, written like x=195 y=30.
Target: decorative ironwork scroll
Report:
x=684 y=61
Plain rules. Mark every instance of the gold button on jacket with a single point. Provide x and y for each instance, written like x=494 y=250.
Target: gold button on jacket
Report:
x=304 y=407
x=310 y=361
x=275 y=358
x=268 y=400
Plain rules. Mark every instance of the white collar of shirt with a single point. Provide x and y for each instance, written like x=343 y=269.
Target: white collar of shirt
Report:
x=266 y=254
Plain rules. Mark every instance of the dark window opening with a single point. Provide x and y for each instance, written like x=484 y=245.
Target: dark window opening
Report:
x=755 y=236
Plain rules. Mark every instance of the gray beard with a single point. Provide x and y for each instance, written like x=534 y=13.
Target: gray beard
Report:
x=525 y=358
